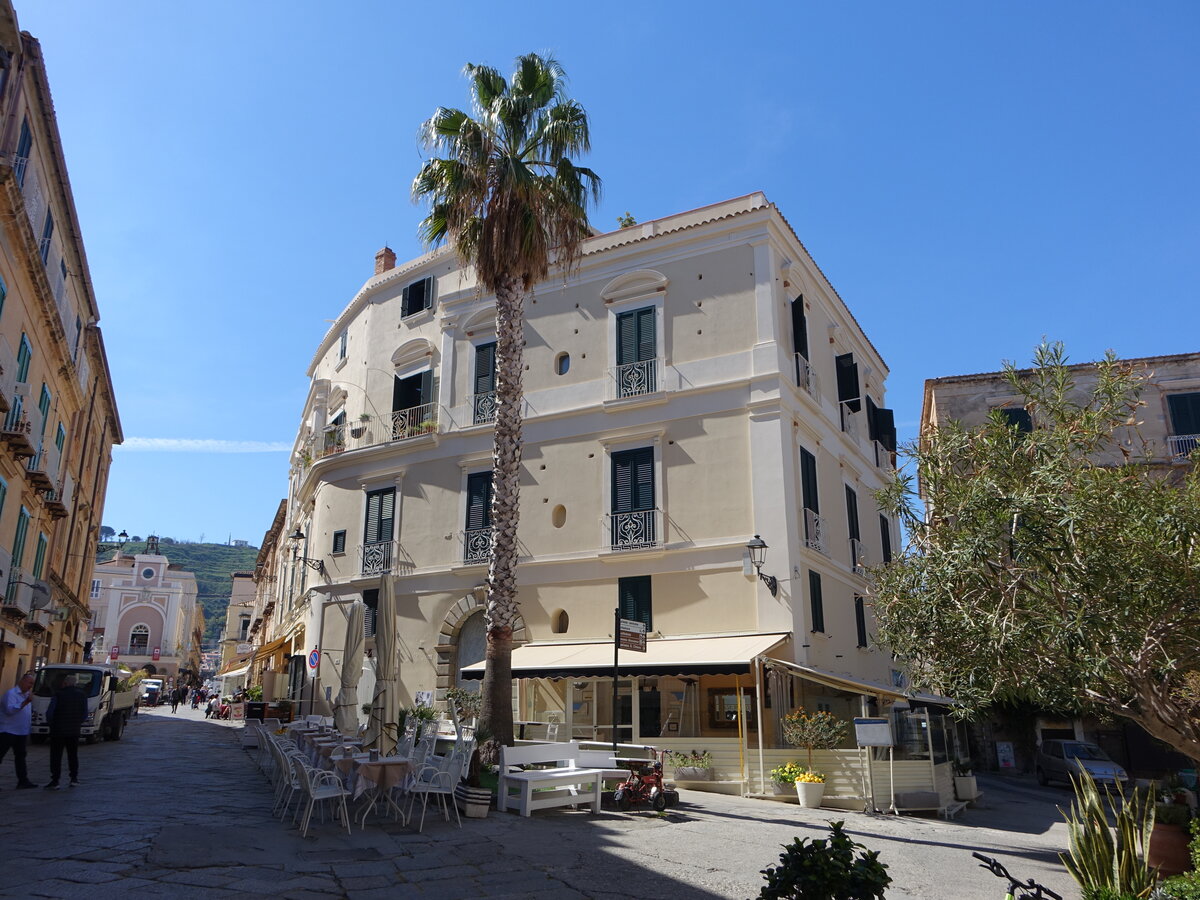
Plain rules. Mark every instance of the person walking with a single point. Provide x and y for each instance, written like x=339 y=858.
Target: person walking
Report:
x=14 y=725
x=175 y=699
x=67 y=711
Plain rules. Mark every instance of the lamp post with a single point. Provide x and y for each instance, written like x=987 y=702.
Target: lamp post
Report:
x=758 y=553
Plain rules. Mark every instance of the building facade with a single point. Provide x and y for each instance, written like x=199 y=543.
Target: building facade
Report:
x=1166 y=433
x=694 y=383
x=144 y=613
x=58 y=417
x=235 y=636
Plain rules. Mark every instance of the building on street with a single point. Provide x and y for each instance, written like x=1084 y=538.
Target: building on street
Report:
x=58 y=416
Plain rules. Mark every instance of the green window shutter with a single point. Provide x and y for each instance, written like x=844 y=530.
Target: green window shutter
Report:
x=479 y=501
x=485 y=368
x=3 y=493
x=339 y=541
x=44 y=405
x=19 y=540
x=380 y=512
x=39 y=557
x=816 y=602
x=635 y=599
x=633 y=480
x=799 y=327
x=24 y=355
x=808 y=481
x=425 y=389
x=860 y=620
x=60 y=438
x=371 y=602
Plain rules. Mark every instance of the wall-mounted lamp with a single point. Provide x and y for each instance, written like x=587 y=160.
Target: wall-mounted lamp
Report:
x=297 y=538
x=758 y=553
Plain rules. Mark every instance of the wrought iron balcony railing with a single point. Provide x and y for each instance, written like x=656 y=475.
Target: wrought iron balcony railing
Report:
x=1180 y=446
x=483 y=408
x=477 y=546
x=858 y=557
x=636 y=530
x=636 y=379
x=806 y=376
x=377 y=557
x=814 y=532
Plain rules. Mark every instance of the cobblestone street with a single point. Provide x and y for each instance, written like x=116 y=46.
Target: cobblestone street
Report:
x=177 y=808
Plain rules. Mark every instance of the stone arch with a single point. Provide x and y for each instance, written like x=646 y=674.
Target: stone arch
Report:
x=414 y=351
x=640 y=283
x=448 y=636
x=481 y=322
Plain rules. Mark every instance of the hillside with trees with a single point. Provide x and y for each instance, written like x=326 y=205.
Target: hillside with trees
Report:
x=214 y=565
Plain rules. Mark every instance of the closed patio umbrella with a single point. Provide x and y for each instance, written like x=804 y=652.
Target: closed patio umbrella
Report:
x=346 y=714
x=382 y=732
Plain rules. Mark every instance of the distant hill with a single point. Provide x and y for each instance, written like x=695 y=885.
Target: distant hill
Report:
x=213 y=565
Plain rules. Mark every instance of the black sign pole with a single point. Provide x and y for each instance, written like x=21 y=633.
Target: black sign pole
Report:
x=616 y=647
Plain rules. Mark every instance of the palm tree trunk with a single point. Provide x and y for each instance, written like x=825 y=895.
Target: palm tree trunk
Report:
x=501 y=611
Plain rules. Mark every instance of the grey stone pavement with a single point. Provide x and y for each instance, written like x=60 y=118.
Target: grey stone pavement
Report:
x=177 y=809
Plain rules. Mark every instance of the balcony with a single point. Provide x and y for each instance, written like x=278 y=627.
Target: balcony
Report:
x=806 y=377
x=849 y=422
x=8 y=375
x=58 y=498
x=884 y=458
x=37 y=467
x=637 y=530
x=414 y=421
x=371 y=431
x=636 y=379
x=483 y=408
x=1180 y=446
x=377 y=557
x=814 y=532
x=17 y=433
x=858 y=557
x=18 y=597
x=477 y=546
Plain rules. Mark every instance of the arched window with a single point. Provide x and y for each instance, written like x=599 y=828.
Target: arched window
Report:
x=472 y=645
x=139 y=640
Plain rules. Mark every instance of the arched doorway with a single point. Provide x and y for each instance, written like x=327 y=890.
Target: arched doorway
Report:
x=472 y=646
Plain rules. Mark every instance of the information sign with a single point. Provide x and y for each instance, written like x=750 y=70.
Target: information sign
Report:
x=115 y=652
x=632 y=635
x=873 y=732
x=157 y=654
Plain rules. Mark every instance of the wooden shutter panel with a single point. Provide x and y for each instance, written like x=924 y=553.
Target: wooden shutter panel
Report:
x=860 y=621
x=426 y=388
x=852 y=513
x=847 y=381
x=633 y=480
x=380 y=512
x=1185 y=413
x=647 y=345
x=485 y=368
x=626 y=338
x=635 y=599
x=479 y=500
x=808 y=480
x=885 y=427
x=816 y=602
x=799 y=327
x=885 y=538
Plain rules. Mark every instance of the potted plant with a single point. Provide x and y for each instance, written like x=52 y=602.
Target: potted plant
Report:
x=783 y=778
x=693 y=766
x=817 y=731
x=356 y=431
x=965 y=787
x=826 y=868
x=1168 y=848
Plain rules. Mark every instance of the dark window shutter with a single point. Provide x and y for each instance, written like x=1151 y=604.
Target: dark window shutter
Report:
x=799 y=327
x=339 y=541
x=872 y=419
x=380 y=512
x=852 y=513
x=633 y=480
x=426 y=388
x=415 y=390
x=885 y=427
x=404 y=301
x=636 y=336
x=860 y=621
x=1185 y=413
x=634 y=599
x=885 y=538
x=647 y=346
x=479 y=500
x=816 y=603
x=485 y=368
x=847 y=382
x=808 y=480
x=371 y=602
x=1018 y=417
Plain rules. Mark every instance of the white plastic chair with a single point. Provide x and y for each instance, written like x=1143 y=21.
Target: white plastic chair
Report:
x=320 y=787
x=438 y=781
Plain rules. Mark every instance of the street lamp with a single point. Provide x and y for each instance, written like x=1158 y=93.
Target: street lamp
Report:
x=123 y=537
x=758 y=552
x=297 y=538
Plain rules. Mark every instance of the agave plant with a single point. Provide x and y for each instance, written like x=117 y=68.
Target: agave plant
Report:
x=1103 y=860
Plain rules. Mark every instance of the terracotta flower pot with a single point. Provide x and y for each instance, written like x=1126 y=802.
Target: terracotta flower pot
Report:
x=1168 y=850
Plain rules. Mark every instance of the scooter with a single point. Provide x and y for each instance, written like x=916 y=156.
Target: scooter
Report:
x=645 y=785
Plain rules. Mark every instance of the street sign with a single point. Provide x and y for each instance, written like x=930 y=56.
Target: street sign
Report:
x=114 y=653
x=314 y=658
x=157 y=654
x=632 y=635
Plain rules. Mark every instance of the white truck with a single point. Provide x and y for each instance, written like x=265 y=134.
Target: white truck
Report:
x=109 y=706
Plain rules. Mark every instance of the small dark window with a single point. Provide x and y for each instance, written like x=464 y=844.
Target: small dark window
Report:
x=815 y=602
x=1017 y=417
x=371 y=602
x=1185 y=413
x=417 y=297
x=860 y=621
x=562 y=363
x=339 y=541
x=633 y=595
x=885 y=538
x=849 y=392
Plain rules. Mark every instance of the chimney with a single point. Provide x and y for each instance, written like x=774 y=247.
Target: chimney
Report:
x=385 y=259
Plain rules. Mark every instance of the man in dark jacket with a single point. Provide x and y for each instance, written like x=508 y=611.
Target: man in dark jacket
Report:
x=65 y=716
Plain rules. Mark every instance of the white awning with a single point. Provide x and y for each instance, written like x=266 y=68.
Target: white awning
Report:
x=236 y=673
x=716 y=655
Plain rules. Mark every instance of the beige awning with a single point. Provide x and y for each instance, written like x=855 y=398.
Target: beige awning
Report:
x=854 y=685
x=717 y=655
x=236 y=673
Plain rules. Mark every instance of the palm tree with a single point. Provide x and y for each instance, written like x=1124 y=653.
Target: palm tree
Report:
x=504 y=191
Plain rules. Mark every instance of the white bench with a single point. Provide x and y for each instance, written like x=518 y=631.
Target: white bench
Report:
x=614 y=768
x=568 y=783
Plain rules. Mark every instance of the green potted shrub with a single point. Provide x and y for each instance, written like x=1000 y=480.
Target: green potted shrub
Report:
x=693 y=766
x=783 y=778
x=816 y=731
x=826 y=869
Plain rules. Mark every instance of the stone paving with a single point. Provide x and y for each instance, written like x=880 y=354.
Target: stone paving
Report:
x=177 y=809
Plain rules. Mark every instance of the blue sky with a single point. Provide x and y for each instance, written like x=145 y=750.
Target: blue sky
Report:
x=969 y=176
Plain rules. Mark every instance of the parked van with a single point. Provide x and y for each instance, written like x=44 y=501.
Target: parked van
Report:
x=109 y=704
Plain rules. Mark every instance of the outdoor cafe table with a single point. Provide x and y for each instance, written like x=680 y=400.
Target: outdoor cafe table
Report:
x=376 y=778
x=326 y=749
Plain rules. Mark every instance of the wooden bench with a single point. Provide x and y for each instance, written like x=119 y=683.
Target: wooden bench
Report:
x=563 y=783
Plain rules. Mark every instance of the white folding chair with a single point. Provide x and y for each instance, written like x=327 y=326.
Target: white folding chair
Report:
x=438 y=781
x=320 y=787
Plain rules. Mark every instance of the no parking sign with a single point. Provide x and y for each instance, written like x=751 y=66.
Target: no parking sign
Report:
x=314 y=658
